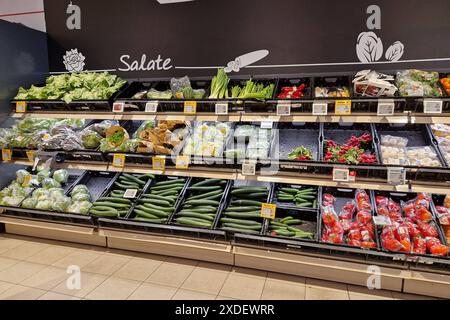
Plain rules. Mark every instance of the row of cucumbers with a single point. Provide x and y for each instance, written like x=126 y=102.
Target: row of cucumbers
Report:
x=289 y=227
x=244 y=209
x=158 y=203
x=202 y=203
x=299 y=196
x=114 y=204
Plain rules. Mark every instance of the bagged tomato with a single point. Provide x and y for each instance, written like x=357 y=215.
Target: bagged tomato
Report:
x=435 y=247
x=366 y=235
x=383 y=211
x=364 y=216
x=423 y=214
x=368 y=244
x=402 y=235
x=393 y=206
x=423 y=200
x=347 y=210
x=381 y=201
x=329 y=216
x=362 y=200
x=332 y=237
x=419 y=245
x=442 y=210
x=447 y=201
x=427 y=229
x=409 y=209
x=354 y=234
x=392 y=244
x=354 y=242
x=346 y=225
x=412 y=228
x=328 y=200
x=388 y=232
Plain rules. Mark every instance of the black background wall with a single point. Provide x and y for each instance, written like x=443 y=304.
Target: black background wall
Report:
x=209 y=33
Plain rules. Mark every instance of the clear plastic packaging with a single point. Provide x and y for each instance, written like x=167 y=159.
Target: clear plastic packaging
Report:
x=418 y=83
x=393 y=141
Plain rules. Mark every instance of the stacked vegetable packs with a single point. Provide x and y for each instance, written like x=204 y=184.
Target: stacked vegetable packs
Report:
x=74 y=86
x=250 y=141
x=208 y=139
x=418 y=83
x=18 y=190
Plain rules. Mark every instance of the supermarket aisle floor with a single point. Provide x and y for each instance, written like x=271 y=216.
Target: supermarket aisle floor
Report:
x=33 y=268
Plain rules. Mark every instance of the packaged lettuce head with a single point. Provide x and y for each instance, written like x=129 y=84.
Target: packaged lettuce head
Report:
x=21 y=175
x=29 y=203
x=44 y=205
x=101 y=127
x=42 y=174
x=148 y=124
x=418 y=83
x=55 y=192
x=81 y=188
x=61 y=175
x=48 y=183
x=81 y=196
x=178 y=84
x=39 y=193
x=61 y=204
x=90 y=138
x=81 y=207
x=155 y=94
x=30 y=125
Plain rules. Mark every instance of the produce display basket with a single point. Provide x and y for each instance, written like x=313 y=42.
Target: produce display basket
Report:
x=330 y=82
x=96 y=183
x=289 y=204
x=253 y=105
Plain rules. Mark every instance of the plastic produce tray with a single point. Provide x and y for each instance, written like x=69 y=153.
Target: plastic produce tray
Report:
x=332 y=81
x=291 y=205
x=253 y=105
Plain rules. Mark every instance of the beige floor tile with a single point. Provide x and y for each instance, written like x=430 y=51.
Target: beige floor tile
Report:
x=50 y=255
x=282 y=290
x=183 y=294
x=323 y=284
x=20 y=271
x=78 y=258
x=407 y=296
x=151 y=291
x=114 y=289
x=363 y=293
x=47 y=278
x=57 y=296
x=5 y=286
x=25 y=250
x=242 y=287
x=204 y=280
x=138 y=269
x=173 y=272
x=285 y=278
x=214 y=266
x=7 y=243
x=249 y=272
x=18 y=292
x=325 y=290
x=7 y=262
x=106 y=264
x=88 y=282
x=224 y=298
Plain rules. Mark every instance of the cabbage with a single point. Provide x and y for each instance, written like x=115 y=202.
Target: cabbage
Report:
x=61 y=176
x=81 y=188
x=44 y=205
x=29 y=203
x=81 y=196
x=61 y=204
x=55 y=193
x=90 y=139
x=48 y=183
x=42 y=174
x=38 y=193
x=82 y=207
x=21 y=174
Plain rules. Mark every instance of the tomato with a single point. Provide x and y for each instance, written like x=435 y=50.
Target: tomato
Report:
x=381 y=201
x=328 y=199
x=419 y=245
x=346 y=225
x=393 y=206
x=435 y=247
x=392 y=244
x=354 y=234
x=354 y=242
x=364 y=216
x=368 y=244
x=423 y=214
x=427 y=230
x=383 y=211
x=329 y=216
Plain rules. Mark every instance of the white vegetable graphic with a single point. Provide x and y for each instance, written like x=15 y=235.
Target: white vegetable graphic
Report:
x=369 y=47
x=395 y=51
x=74 y=60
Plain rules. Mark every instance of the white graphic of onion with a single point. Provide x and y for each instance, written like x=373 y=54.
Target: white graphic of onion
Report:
x=369 y=47
x=395 y=51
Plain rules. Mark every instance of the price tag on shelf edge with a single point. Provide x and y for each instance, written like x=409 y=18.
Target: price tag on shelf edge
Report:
x=343 y=107
x=432 y=106
x=283 y=108
x=130 y=193
x=248 y=168
x=21 y=106
x=158 y=162
x=190 y=107
x=396 y=176
x=268 y=210
x=182 y=162
x=266 y=124
x=118 y=160
x=26 y=181
x=385 y=107
x=118 y=107
x=382 y=220
x=341 y=175
x=151 y=106
x=30 y=155
x=221 y=108
x=6 y=154
x=320 y=108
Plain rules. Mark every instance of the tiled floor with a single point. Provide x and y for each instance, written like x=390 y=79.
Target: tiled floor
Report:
x=37 y=269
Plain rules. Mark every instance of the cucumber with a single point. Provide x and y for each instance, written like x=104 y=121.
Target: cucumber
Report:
x=284 y=233
x=154 y=212
x=124 y=186
x=307 y=190
x=156 y=197
x=156 y=202
x=293 y=221
x=286 y=219
x=150 y=220
x=293 y=229
x=239 y=230
x=127 y=182
x=246 y=203
x=192 y=222
x=169 y=182
x=201 y=210
x=146 y=176
x=165 y=209
x=240 y=221
x=248 y=190
x=289 y=190
x=255 y=195
x=122 y=200
x=104 y=208
x=216 y=197
x=207 y=182
x=283 y=198
x=304 y=204
x=195 y=215
x=145 y=214
x=203 y=202
x=240 y=226
x=166 y=193
x=165 y=187
x=314 y=205
x=243 y=215
x=133 y=178
x=278 y=224
x=243 y=209
x=207 y=188
x=306 y=197
x=208 y=194
x=104 y=213
x=111 y=204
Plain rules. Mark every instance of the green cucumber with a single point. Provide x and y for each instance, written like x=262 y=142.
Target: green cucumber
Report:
x=207 y=188
x=195 y=215
x=155 y=202
x=104 y=208
x=111 y=204
x=243 y=215
x=246 y=203
x=133 y=178
x=104 y=213
x=208 y=194
x=207 y=182
x=286 y=219
x=240 y=226
x=152 y=206
x=256 y=195
x=306 y=197
x=169 y=182
x=193 y=222
x=248 y=190
x=203 y=202
x=314 y=205
x=145 y=214
x=307 y=190
x=216 y=197
x=236 y=230
x=240 y=221
x=278 y=224
x=166 y=193
x=289 y=190
x=201 y=209
x=293 y=221
x=150 y=220
x=243 y=209
x=284 y=233
x=156 y=197
x=146 y=176
x=165 y=187
x=122 y=200
x=125 y=186
x=304 y=204
x=153 y=211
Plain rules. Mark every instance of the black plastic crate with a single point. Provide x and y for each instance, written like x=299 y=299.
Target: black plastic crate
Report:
x=291 y=205
x=253 y=105
x=399 y=198
x=343 y=196
x=332 y=81
x=301 y=105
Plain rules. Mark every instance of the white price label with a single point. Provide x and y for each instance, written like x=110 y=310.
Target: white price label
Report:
x=382 y=220
x=267 y=124
x=341 y=175
x=320 y=108
x=221 y=108
x=396 y=176
x=432 y=106
x=248 y=168
x=130 y=193
x=385 y=108
x=118 y=107
x=283 y=108
x=151 y=106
